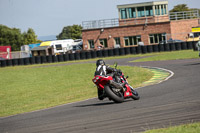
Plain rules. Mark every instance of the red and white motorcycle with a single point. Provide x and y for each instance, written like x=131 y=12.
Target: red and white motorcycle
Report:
x=113 y=90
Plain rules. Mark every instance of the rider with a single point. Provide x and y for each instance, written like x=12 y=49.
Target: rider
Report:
x=102 y=69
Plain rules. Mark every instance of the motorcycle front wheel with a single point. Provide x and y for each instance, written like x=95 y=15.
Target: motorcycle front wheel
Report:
x=135 y=95
x=115 y=96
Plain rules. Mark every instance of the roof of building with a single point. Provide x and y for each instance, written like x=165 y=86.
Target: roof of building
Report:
x=39 y=48
x=143 y=4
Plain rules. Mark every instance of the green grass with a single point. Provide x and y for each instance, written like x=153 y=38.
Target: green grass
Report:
x=187 y=128
x=28 y=88
x=175 y=55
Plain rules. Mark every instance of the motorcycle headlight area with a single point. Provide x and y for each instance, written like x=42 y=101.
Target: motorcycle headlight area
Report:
x=95 y=80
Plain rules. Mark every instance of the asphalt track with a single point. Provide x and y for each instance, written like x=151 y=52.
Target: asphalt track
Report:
x=172 y=102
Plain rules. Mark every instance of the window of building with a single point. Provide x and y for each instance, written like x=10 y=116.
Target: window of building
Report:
x=140 y=11
x=149 y=11
x=58 y=47
x=117 y=40
x=103 y=42
x=165 y=9
x=132 y=13
x=157 y=10
x=123 y=13
x=157 y=38
x=91 y=43
x=132 y=40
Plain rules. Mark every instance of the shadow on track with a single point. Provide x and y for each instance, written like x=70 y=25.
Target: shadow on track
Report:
x=102 y=104
x=194 y=64
x=96 y=104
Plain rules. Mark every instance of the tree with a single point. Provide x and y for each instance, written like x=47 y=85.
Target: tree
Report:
x=14 y=38
x=180 y=8
x=11 y=37
x=30 y=37
x=177 y=12
x=70 y=32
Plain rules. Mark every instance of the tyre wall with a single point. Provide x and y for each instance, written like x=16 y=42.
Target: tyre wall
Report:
x=99 y=54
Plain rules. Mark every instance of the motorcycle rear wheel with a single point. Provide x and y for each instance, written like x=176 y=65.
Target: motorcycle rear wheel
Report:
x=115 y=96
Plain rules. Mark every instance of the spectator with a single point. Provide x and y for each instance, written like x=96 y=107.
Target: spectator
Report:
x=198 y=46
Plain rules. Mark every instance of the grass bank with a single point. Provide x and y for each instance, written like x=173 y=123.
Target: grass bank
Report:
x=186 y=128
x=27 y=88
x=174 y=55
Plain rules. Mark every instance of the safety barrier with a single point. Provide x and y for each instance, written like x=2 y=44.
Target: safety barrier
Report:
x=99 y=54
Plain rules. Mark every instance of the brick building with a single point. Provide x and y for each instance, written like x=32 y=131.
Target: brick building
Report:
x=148 y=22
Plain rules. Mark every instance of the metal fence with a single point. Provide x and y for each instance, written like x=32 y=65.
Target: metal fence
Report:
x=100 y=23
x=14 y=55
x=184 y=15
x=145 y=20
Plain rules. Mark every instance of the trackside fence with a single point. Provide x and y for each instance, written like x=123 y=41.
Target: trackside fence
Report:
x=99 y=54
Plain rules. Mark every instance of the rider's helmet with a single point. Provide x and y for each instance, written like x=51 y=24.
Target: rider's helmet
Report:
x=100 y=62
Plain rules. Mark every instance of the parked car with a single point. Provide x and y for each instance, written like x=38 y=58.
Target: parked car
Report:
x=170 y=41
x=75 y=48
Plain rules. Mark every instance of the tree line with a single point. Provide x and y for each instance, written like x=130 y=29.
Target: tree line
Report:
x=14 y=38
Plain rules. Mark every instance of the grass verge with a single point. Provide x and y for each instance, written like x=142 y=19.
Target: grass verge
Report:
x=175 y=55
x=186 y=128
x=27 y=88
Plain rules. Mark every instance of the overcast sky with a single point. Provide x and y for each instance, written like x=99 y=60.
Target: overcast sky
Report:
x=48 y=17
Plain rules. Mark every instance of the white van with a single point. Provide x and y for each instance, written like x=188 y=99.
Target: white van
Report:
x=62 y=46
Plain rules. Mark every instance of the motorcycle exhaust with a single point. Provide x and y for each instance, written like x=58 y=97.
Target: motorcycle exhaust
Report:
x=117 y=85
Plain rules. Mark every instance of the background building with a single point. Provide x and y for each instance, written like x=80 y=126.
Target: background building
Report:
x=148 y=22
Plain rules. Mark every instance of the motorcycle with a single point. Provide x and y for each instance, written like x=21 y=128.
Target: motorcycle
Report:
x=116 y=91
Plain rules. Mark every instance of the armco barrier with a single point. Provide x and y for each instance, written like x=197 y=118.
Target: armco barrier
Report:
x=99 y=53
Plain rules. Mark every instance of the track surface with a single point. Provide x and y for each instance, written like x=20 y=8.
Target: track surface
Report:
x=173 y=102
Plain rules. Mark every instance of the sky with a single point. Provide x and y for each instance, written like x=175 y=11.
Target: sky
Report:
x=48 y=17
